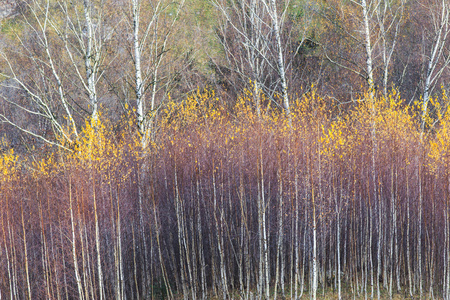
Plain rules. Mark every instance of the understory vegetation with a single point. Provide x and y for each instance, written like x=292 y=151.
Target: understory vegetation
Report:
x=226 y=204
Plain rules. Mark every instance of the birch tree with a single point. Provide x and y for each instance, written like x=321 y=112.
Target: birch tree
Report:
x=279 y=53
x=152 y=26
x=62 y=46
x=371 y=29
x=245 y=23
x=437 y=57
x=389 y=17
x=256 y=28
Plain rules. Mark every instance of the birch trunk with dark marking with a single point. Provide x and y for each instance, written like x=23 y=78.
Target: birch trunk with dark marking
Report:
x=279 y=270
x=181 y=238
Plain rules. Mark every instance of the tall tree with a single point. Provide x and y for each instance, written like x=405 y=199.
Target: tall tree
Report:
x=436 y=53
x=152 y=25
x=368 y=32
x=56 y=60
x=253 y=36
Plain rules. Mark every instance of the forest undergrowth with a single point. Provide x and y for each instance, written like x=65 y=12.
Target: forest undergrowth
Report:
x=224 y=203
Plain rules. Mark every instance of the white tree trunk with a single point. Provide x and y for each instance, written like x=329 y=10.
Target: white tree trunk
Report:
x=74 y=247
x=314 y=254
x=280 y=59
x=91 y=59
x=368 y=46
x=137 y=65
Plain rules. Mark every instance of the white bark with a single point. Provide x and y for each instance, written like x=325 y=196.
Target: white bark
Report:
x=297 y=235
x=257 y=25
x=83 y=42
x=181 y=237
x=368 y=47
x=220 y=243
x=437 y=59
x=25 y=247
x=389 y=16
x=408 y=247
x=247 y=21
x=263 y=282
x=91 y=60
x=314 y=253
x=279 y=273
x=279 y=55
x=152 y=40
x=337 y=203
x=137 y=65
x=74 y=247
x=70 y=41
x=447 y=242
x=419 y=234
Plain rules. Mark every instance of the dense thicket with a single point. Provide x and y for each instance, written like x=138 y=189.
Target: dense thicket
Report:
x=304 y=172
x=224 y=203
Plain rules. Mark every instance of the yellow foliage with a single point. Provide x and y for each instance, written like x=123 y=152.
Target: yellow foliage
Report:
x=311 y=108
x=98 y=149
x=333 y=141
x=8 y=165
x=45 y=166
x=439 y=144
x=201 y=107
x=201 y=121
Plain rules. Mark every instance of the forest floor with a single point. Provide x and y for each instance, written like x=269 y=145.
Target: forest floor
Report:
x=330 y=295
x=361 y=296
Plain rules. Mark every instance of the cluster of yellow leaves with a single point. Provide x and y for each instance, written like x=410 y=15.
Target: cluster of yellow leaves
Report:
x=333 y=140
x=311 y=108
x=439 y=144
x=8 y=165
x=98 y=149
x=385 y=122
x=200 y=108
x=93 y=144
x=105 y=151
x=46 y=166
x=395 y=122
x=243 y=107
